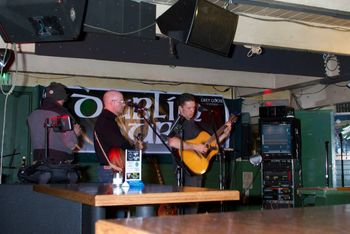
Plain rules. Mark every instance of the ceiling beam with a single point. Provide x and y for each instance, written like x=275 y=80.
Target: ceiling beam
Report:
x=99 y=68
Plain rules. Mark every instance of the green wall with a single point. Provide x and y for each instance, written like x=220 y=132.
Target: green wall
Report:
x=316 y=129
x=16 y=139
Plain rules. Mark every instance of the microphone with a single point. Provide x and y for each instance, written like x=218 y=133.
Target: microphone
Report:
x=177 y=124
x=203 y=109
x=137 y=106
x=129 y=102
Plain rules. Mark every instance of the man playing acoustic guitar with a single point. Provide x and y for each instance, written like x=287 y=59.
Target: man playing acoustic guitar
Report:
x=191 y=129
x=110 y=137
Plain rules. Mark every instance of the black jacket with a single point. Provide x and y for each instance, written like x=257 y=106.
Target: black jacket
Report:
x=109 y=135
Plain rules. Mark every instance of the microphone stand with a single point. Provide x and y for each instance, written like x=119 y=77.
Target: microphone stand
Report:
x=179 y=169
x=220 y=155
x=47 y=125
x=327 y=168
x=341 y=159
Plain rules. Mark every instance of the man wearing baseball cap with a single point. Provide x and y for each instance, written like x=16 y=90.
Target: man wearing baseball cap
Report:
x=61 y=142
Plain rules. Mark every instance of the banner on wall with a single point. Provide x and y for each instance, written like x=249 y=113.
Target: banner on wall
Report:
x=160 y=109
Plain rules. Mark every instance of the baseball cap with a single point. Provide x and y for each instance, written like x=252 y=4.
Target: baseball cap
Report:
x=56 y=91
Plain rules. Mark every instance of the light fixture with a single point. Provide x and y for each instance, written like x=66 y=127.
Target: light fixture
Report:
x=331 y=65
x=7 y=57
x=348 y=85
x=253 y=49
x=290 y=11
x=255 y=159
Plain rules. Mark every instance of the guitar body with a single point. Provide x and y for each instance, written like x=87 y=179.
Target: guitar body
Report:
x=166 y=210
x=163 y=209
x=196 y=162
x=117 y=157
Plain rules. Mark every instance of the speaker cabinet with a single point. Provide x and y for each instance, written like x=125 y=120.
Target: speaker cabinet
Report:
x=24 y=21
x=276 y=111
x=121 y=17
x=200 y=23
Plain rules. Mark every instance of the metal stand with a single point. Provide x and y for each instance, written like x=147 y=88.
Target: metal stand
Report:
x=221 y=155
x=180 y=165
x=47 y=125
x=11 y=159
x=179 y=168
x=60 y=124
x=327 y=158
x=341 y=159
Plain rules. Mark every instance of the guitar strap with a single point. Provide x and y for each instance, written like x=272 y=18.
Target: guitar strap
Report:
x=105 y=155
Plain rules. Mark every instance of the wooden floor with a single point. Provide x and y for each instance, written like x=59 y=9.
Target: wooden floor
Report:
x=326 y=219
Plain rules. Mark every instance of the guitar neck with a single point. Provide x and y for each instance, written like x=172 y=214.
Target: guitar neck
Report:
x=157 y=168
x=221 y=130
x=218 y=133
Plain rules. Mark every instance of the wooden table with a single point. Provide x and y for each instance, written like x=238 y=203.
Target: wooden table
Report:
x=326 y=189
x=107 y=195
x=326 y=219
x=319 y=196
x=96 y=197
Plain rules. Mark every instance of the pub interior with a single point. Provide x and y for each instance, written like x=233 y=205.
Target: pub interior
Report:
x=277 y=70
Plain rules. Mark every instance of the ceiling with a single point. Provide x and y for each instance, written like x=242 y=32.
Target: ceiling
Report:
x=253 y=29
x=308 y=25
x=291 y=12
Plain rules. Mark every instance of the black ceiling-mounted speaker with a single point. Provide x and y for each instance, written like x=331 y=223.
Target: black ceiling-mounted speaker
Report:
x=26 y=21
x=201 y=24
x=121 y=17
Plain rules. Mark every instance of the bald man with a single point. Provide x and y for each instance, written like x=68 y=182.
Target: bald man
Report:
x=108 y=135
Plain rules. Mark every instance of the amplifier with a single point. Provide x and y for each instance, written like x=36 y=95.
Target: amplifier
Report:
x=276 y=111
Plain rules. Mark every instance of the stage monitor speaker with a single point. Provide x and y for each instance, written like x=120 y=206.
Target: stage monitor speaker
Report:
x=201 y=24
x=24 y=21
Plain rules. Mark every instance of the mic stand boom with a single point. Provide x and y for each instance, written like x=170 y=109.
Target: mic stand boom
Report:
x=220 y=154
x=177 y=126
x=142 y=114
x=180 y=168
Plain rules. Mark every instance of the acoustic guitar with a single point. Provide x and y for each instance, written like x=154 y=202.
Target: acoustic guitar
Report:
x=163 y=209
x=117 y=156
x=198 y=163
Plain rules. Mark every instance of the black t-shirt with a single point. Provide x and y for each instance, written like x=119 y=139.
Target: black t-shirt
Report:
x=191 y=129
x=109 y=135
